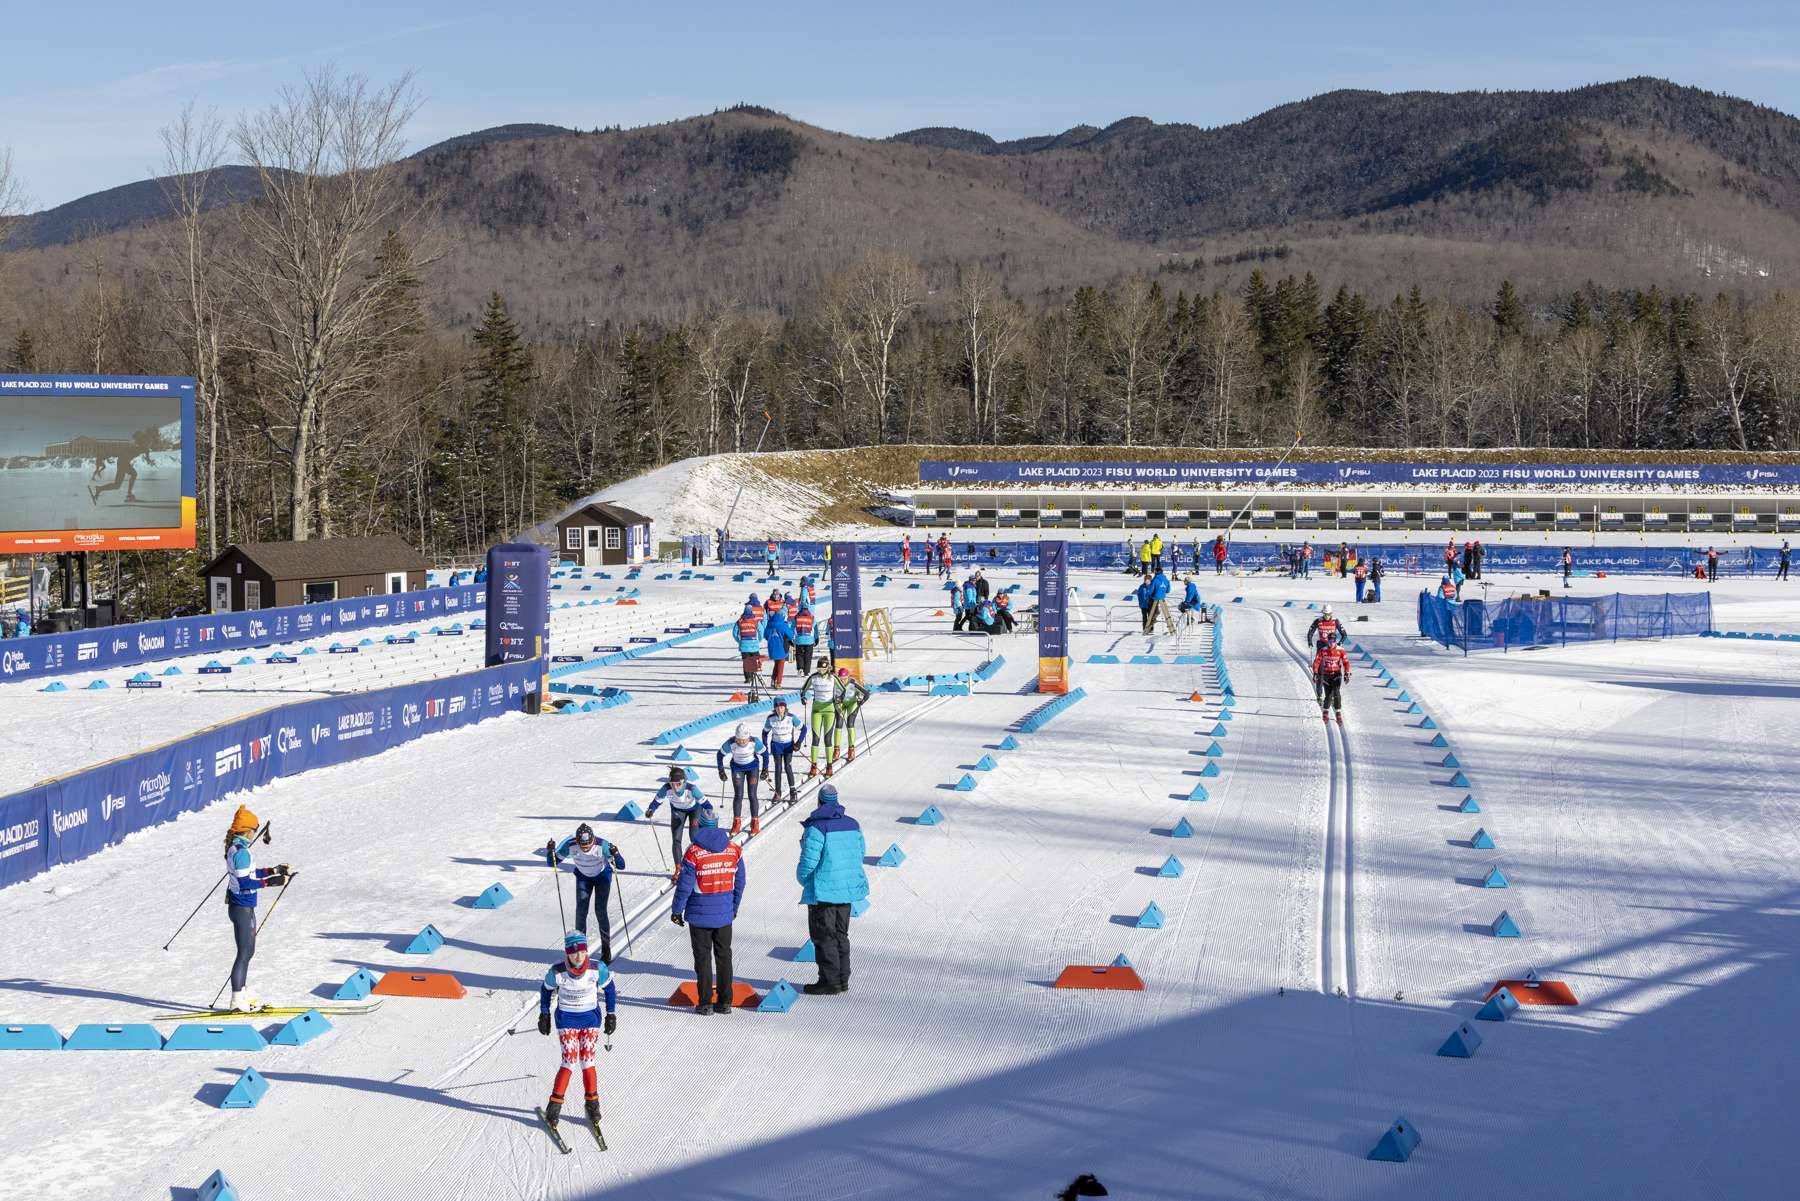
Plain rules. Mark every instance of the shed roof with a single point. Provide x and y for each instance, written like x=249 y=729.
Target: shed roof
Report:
x=328 y=558
x=617 y=514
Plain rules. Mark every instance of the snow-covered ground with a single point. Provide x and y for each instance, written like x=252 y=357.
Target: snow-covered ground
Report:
x=1639 y=795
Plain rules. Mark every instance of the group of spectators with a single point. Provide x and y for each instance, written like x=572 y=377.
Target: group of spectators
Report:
x=975 y=606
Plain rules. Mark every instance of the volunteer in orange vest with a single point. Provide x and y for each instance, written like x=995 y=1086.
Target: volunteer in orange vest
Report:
x=707 y=897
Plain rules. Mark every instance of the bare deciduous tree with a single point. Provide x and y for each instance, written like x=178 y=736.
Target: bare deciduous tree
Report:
x=991 y=323
x=864 y=315
x=1730 y=349
x=325 y=155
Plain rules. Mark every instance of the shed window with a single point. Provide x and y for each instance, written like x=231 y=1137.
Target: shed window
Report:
x=572 y=537
x=612 y=537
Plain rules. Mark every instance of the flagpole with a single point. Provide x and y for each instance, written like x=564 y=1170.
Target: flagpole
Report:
x=725 y=530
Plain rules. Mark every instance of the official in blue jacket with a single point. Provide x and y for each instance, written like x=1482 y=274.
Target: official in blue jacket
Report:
x=707 y=896
x=779 y=633
x=831 y=878
x=956 y=604
x=1190 y=599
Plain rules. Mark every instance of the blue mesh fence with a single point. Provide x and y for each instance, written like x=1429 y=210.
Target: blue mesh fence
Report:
x=1474 y=625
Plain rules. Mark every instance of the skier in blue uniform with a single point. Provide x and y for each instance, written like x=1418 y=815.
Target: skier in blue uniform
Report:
x=783 y=734
x=744 y=751
x=593 y=861
x=686 y=805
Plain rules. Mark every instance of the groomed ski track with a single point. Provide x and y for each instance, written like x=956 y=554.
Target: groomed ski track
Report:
x=1323 y=859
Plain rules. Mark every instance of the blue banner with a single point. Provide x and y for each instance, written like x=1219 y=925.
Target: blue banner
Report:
x=1509 y=475
x=1557 y=621
x=1053 y=600
x=72 y=817
x=846 y=605
x=518 y=603
x=122 y=646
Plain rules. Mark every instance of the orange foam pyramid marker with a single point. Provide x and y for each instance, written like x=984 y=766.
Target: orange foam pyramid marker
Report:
x=441 y=985
x=1121 y=977
x=1196 y=697
x=939 y=613
x=1536 y=992
x=742 y=995
x=738 y=696
x=628 y=602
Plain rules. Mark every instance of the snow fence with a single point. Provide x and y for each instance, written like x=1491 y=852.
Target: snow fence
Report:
x=74 y=816
x=1558 y=621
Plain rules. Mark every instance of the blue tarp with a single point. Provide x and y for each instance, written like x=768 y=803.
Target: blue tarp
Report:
x=1560 y=620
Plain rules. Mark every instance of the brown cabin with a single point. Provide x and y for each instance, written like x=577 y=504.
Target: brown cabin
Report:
x=603 y=535
x=264 y=575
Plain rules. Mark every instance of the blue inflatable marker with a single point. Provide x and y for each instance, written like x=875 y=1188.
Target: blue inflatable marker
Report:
x=1482 y=841
x=1495 y=878
x=1103 y=658
x=249 y=1089
x=1219 y=730
x=356 y=987
x=1505 y=927
x=1214 y=751
x=493 y=896
x=1451 y=760
x=681 y=755
x=301 y=1029
x=1182 y=830
x=1498 y=1008
x=1404 y=695
x=425 y=941
x=1171 y=867
x=1398 y=1144
x=1468 y=805
x=138 y=1036
x=630 y=811
x=1151 y=918
x=97 y=685
x=30 y=1038
x=1287 y=604
x=56 y=686
x=1428 y=724
x=780 y=998
x=171 y=670
x=1119 y=960
x=892 y=857
x=1146 y=658
x=1226 y=715
x=1462 y=1042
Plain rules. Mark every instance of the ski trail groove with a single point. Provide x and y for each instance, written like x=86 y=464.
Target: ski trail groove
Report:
x=1337 y=972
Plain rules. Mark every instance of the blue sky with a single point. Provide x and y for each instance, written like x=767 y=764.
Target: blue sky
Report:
x=82 y=106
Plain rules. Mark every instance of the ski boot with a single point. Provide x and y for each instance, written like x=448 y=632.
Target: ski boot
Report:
x=755 y=826
x=793 y=796
x=812 y=770
x=243 y=1002
x=553 y=1113
x=1325 y=716
x=851 y=757
x=828 y=771
x=593 y=1111
x=606 y=950
x=1340 y=717
x=737 y=824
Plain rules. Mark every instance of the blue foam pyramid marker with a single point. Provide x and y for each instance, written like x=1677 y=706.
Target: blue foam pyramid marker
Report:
x=425 y=941
x=1151 y=918
x=249 y=1089
x=1219 y=730
x=986 y=763
x=56 y=686
x=1210 y=771
x=1438 y=740
x=1182 y=830
x=858 y=908
x=227 y=1036
x=301 y=1029
x=30 y=1038
x=1226 y=715
x=97 y=685
x=1119 y=960
x=807 y=953
x=137 y=1036
x=1213 y=751
x=1495 y=878
x=1451 y=760
x=630 y=811
x=1009 y=743
x=892 y=857
x=1462 y=1042
x=779 y=999
x=246 y=661
x=681 y=755
x=966 y=784
x=356 y=987
x=1398 y=1144
x=1459 y=781
x=1404 y=695
x=1199 y=793
x=1171 y=867
x=1482 y=841
x=933 y=816
x=217 y=1187
x=140 y=677
x=1505 y=927
x=1468 y=806
x=1499 y=1007
x=171 y=670
x=493 y=896
x=1428 y=724
x=1287 y=604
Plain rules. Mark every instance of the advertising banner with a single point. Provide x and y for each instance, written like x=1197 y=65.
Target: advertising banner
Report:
x=846 y=607
x=1506 y=475
x=72 y=817
x=96 y=462
x=1053 y=617
x=122 y=646
x=518 y=603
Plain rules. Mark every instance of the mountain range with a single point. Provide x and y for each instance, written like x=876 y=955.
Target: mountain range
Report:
x=1631 y=183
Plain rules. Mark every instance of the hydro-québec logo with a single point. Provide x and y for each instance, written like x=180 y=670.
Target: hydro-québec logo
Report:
x=11 y=661
x=287 y=738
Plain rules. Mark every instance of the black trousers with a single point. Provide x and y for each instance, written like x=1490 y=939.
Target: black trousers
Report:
x=712 y=948
x=780 y=761
x=829 y=928
x=679 y=821
x=803 y=658
x=243 y=933
x=600 y=889
x=1331 y=693
x=744 y=782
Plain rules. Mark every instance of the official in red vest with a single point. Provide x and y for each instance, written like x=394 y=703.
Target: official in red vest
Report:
x=707 y=896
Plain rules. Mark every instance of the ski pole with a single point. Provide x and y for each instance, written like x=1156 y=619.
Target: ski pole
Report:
x=263 y=834
x=624 y=921
x=550 y=861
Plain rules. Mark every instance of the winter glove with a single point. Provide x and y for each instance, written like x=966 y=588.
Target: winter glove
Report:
x=678 y=919
x=544 y=1023
x=612 y=1023
x=618 y=860
x=550 y=852
x=721 y=777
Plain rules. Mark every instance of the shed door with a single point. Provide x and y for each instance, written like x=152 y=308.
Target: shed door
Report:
x=221 y=593
x=591 y=555
x=253 y=594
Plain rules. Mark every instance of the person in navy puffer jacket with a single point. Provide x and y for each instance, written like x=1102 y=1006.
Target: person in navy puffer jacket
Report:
x=707 y=897
x=831 y=879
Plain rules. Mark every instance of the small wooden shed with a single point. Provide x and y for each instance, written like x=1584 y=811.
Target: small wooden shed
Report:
x=263 y=575
x=603 y=535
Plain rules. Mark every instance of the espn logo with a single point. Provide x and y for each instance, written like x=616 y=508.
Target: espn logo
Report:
x=229 y=759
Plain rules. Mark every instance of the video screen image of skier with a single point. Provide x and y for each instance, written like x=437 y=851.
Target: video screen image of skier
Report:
x=90 y=462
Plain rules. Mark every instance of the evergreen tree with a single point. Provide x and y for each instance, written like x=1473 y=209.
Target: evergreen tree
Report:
x=24 y=353
x=1509 y=314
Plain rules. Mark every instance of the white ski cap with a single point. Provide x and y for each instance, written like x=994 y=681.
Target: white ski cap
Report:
x=743 y=730
x=1326 y=610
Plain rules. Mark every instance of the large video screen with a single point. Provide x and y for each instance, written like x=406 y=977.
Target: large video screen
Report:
x=96 y=463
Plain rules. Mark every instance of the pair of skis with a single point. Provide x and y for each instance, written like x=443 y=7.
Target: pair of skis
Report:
x=556 y=1135
x=268 y=1011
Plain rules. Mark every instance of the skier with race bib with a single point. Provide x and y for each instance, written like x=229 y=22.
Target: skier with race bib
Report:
x=593 y=861
x=576 y=985
x=686 y=806
x=783 y=733
x=745 y=752
x=1331 y=667
x=820 y=694
x=243 y=880
x=849 y=695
